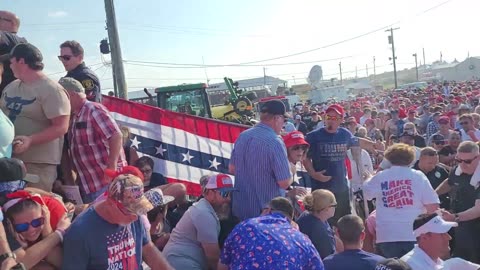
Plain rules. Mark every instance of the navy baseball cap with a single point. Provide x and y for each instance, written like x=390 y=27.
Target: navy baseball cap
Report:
x=275 y=107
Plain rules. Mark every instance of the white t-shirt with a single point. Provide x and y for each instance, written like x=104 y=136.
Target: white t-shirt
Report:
x=401 y=194
x=356 y=181
x=6 y=136
x=417 y=259
x=466 y=137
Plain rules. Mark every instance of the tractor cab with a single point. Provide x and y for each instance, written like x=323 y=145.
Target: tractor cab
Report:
x=187 y=98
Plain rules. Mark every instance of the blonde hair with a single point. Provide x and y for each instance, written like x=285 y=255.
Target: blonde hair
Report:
x=319 y=200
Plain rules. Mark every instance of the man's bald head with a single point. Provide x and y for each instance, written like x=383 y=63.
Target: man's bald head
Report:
x=9 y=22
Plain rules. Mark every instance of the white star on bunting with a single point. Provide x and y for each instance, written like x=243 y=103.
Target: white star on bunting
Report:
x=160 y=150
x=187 y=157
x=214 y=163
x=135 y=142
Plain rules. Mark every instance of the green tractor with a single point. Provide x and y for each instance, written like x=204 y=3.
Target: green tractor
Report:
x=193 y=99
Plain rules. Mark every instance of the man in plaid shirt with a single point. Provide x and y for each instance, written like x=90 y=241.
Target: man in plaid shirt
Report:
x=433 y=126
x=95 y=141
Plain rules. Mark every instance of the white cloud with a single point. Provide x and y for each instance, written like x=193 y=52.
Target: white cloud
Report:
x=57 y=14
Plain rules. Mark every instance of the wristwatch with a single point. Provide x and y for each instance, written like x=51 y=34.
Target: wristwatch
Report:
x=7 y=255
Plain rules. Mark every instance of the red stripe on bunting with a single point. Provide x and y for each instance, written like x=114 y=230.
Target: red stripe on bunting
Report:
x=193 y=189
x=208 y=128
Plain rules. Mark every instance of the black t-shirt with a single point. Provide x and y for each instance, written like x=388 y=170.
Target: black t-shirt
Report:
x=307 y=118
x=436 y=177
x=312 y=125
x=463 y=195
x=156 y=180
x=7 y=42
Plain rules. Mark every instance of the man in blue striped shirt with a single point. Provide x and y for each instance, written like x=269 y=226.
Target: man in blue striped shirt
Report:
x=259 y=162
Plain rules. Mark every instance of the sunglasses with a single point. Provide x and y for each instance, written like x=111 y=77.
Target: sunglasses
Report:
x=439 y=143
x=466 y=161
x=334 y=118
x=65 y=57
x=224 y=194
x=23 y=227
x=300 y=147
x=463 y=123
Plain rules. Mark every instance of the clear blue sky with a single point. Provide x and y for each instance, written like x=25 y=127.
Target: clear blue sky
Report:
x=232 y=32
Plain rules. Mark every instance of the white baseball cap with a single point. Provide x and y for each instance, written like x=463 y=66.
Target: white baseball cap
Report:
x=435 y=225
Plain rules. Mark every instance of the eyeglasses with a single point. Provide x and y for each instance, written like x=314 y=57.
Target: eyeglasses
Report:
x=300 y=147
x=464 y=123
x=466 y=161
x=331 y=117
x=65 y=57
x=23 y=227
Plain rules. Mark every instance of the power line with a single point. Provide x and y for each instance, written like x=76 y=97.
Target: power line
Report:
x=63 y=71
x=180 y=65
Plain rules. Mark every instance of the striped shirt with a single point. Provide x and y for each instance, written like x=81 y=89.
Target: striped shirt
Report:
x=88 y=136
x=260 y=160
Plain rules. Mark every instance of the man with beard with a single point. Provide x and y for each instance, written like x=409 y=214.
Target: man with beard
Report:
x=193 y=243
x=325 y=160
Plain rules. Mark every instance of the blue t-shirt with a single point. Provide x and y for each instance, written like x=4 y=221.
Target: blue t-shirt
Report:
x=93 y=243
x=328 y=152
x=269 y=242
x=352 y=259
x=319 y=232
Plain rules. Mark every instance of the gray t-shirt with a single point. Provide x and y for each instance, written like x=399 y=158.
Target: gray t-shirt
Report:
x=198 y=225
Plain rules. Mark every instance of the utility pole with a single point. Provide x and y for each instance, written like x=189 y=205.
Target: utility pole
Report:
x=416 y=65
x=393 y=58
x=294 y=82
x=356 y=72
x=374 y=72
x=424 y=63
x=341 y=79
x=264 y=76
x=116 y=52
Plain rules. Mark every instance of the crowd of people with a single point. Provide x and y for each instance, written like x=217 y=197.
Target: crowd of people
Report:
x=390 y=181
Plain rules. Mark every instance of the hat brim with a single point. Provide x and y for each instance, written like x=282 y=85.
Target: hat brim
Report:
x=141 y=206
x=167 y=199
x=32 y=178
x=227 y=189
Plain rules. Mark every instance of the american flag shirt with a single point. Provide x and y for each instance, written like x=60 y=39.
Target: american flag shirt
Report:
x=88 y=134
x=92 y=243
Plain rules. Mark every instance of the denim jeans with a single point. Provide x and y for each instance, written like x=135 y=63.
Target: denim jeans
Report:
x=395 y=249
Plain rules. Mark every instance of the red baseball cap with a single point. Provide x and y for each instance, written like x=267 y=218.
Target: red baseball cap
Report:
x=336 y=108
x=222 y=182
x=444 y=119
x=294 y=138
